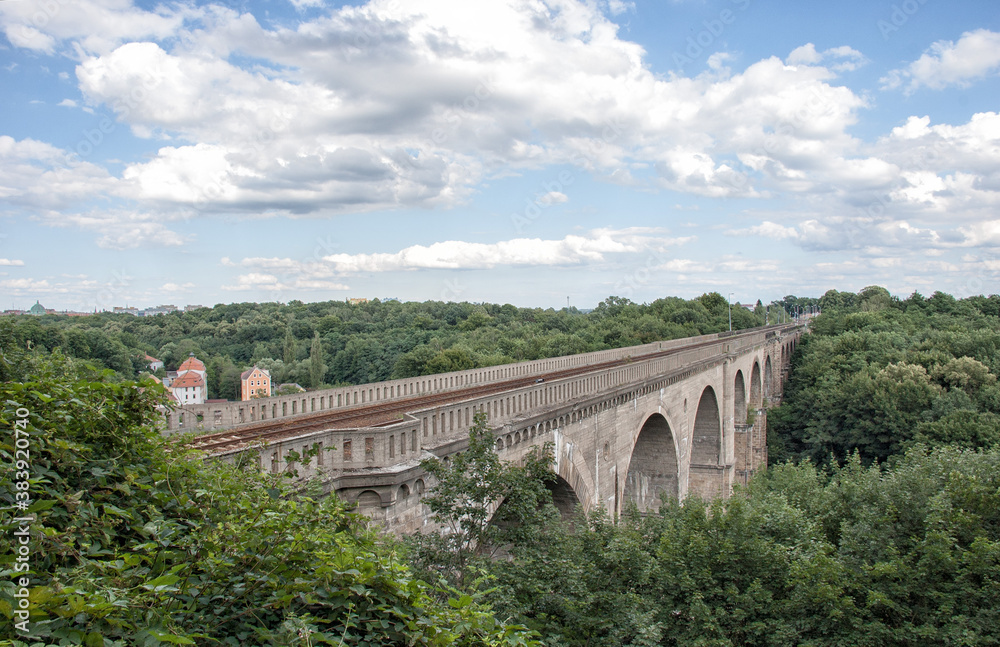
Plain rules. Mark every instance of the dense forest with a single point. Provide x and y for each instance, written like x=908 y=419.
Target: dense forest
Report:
x=878 y=374
x=335 y=342
x=877 y=523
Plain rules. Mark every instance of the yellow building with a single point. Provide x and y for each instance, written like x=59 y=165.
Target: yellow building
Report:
x=256 y=383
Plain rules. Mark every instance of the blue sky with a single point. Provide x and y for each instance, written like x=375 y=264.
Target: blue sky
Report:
x=520 y=151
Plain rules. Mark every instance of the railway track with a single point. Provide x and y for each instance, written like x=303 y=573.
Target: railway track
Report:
x=375 y=415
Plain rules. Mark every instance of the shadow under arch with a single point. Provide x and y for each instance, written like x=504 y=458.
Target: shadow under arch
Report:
x=563 y=496
x=768 y=378
x=653 y=469
x=756 y=388
x=739 y=399
x=707 y=438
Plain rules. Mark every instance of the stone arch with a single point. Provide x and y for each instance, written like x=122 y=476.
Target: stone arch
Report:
x=653 y=467
x=768 y=377
x=403 y=493
x=369 y=499
x=563 y=496
x=755 y=386
x=707 y=437
x=739 y=399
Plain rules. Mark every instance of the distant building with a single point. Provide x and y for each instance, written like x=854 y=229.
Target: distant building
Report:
x=189 y=388
x=118 y=310
x=192 y=363
x=357 y=301
x=191 y=384
x=158 y=310
x=154 y=363
x=193 y=307
x=255 y=383
x=38 y=309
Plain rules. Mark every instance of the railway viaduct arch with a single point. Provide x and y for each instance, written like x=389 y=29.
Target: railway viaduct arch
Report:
x=676 y=419
x=697 y=435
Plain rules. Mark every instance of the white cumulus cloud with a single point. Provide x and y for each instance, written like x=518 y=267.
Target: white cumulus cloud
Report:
x=975 y=55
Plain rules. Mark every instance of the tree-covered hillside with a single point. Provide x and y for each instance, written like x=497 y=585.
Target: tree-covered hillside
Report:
x=334 y=342
x=877 y=374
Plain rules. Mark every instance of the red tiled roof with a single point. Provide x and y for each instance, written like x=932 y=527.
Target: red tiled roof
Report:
x=191 y=364
x=186 y=380
x=150 y=358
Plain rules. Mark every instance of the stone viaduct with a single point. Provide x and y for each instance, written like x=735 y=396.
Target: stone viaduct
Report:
x=672 y=418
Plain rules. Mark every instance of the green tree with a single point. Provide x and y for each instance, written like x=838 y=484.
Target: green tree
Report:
x=288 y=354
x=316 y=367
x=486 y=504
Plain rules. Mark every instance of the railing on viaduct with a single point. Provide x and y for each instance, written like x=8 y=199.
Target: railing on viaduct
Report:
x=213 y=416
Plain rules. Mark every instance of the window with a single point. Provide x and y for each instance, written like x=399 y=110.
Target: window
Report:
x=347 y=451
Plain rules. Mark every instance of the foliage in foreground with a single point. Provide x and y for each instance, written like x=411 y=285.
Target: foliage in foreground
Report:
x=484 y=505
x=864 y=556
x=138 y=543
